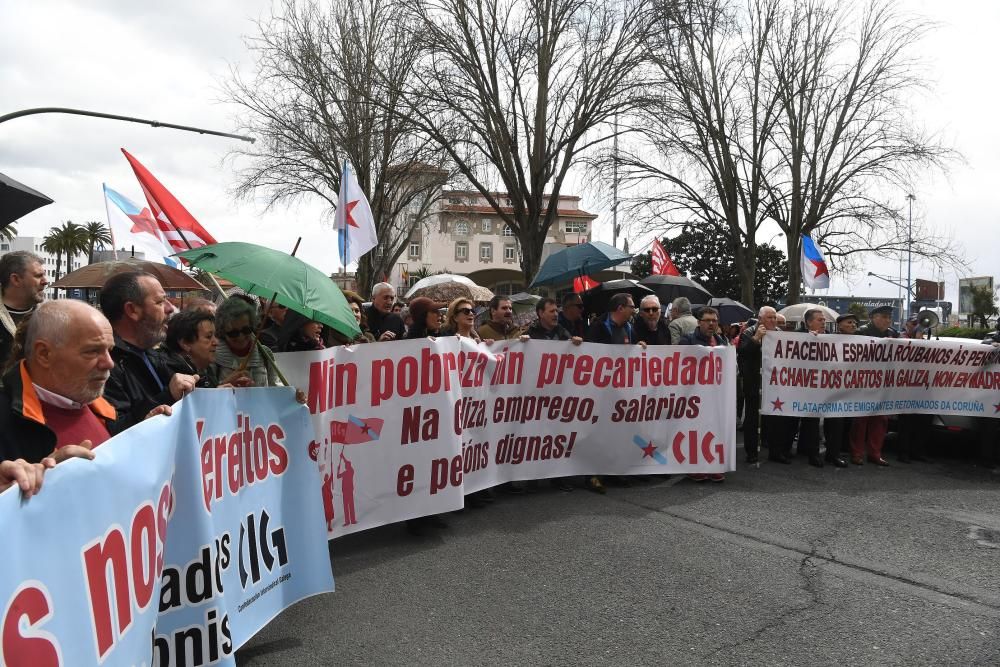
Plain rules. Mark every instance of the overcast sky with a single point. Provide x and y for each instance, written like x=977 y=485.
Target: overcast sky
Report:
x=166 y=62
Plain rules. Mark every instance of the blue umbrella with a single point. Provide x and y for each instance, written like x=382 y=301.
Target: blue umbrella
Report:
x=578 y=260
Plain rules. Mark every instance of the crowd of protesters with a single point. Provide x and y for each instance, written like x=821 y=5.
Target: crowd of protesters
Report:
x=74 y=375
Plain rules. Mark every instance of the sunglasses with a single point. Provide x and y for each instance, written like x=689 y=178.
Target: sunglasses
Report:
x=650 y=310
x=236 y=333
x=464 y=311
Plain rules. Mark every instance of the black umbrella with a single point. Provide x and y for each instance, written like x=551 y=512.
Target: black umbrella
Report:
x=596 y=300
x=730 y=310
x=669 y=288
x=17 y=199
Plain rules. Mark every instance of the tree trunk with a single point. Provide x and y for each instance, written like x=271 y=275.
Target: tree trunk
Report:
x=746 y=268
x=794 y=270
x=531 y=252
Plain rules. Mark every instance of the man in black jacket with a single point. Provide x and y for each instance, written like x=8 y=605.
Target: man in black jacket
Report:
x=384 y=324
x=140 y=382
x=571 y=318
x=547 y=326
x=615 y=327
x=650 y=325
x=749 y=351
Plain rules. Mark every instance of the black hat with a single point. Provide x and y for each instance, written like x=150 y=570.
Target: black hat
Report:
x=881 y=310
x=847 y=316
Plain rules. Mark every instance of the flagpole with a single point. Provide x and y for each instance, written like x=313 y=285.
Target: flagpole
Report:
x=107 y=214
x=215 y=283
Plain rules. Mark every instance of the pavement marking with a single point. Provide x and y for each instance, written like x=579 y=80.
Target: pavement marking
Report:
x=934 y=589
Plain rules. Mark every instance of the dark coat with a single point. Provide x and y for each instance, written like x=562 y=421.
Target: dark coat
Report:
x=537 y=332
x=132 y=389
x=870 y=330
x=23 y=433
x=600 y=331
x=378 y=323
x=577 y=328
x=658 y=336
x=697 y=338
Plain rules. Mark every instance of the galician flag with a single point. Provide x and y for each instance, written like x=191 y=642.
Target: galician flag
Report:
x=353 y=220
x=134 y=227
x=814 y=270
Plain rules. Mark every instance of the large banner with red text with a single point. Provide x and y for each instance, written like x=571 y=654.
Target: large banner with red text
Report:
x=806 y=375
x=407 y=429
x=174 y=546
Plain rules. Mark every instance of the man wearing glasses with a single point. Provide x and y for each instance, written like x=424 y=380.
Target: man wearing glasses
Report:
x=571 y=318
x=651 y=326
x=707 y=333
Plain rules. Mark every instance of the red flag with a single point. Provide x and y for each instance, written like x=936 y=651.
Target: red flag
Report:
x=166 y=209
x=583 y=284
x=662 y=266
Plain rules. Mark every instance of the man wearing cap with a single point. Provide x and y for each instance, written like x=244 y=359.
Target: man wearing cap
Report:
x=836 y=428
x=913 y=428
x=869 y=432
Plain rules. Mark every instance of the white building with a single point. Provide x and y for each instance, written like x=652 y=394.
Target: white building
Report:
x=34 y=244
x=466 y=236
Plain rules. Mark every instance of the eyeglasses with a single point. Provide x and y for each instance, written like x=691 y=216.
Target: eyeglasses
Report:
x=650 y=310
x=629 y=305
x=464 y=311
x=236 y=333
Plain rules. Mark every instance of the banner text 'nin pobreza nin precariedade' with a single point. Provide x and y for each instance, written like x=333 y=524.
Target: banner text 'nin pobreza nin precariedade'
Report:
x=409 y=428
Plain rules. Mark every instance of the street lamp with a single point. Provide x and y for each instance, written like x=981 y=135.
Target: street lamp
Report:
x=909 y=257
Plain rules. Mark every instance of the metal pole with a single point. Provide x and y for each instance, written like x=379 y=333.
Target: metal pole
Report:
x=127 y=119
x=909 y=259
x=614 y=188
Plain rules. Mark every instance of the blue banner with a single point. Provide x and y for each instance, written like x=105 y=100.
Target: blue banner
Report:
x=182 y=539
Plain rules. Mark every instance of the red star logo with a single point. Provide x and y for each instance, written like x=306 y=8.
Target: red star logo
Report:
x=366 y=429
x=820 y=268
x=144 y=222
x=350 y=208
x=777 y=404
x=996 y=407
x=648 y=450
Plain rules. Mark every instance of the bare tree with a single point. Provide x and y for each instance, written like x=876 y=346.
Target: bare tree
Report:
x=849 y=145
x=326 y=89
x=515 y=91
x=706 y=153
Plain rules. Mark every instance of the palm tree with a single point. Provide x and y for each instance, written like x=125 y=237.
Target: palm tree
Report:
x=98 y=237
x=8 y=233
x=70 y=239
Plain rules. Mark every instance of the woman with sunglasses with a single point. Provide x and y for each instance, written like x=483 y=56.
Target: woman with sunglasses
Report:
x=461 y=320
x=236 y=321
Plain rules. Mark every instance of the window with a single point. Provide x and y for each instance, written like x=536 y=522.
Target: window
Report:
x=487 y=224
x=454 y=200
x=462 y=250
x=574 y=227
x=486 y=252
x=507 y=231
x=415 y=249
x=462 y=228
x=5 y=246
x=509 y=252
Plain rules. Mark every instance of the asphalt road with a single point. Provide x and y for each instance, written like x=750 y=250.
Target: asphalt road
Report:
x=779 y=565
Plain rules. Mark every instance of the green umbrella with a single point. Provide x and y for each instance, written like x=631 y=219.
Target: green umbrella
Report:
x=271 y=273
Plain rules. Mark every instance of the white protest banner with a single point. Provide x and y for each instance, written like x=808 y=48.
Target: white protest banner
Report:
x=182 y=538
x=843 y=376
x=406 y=429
